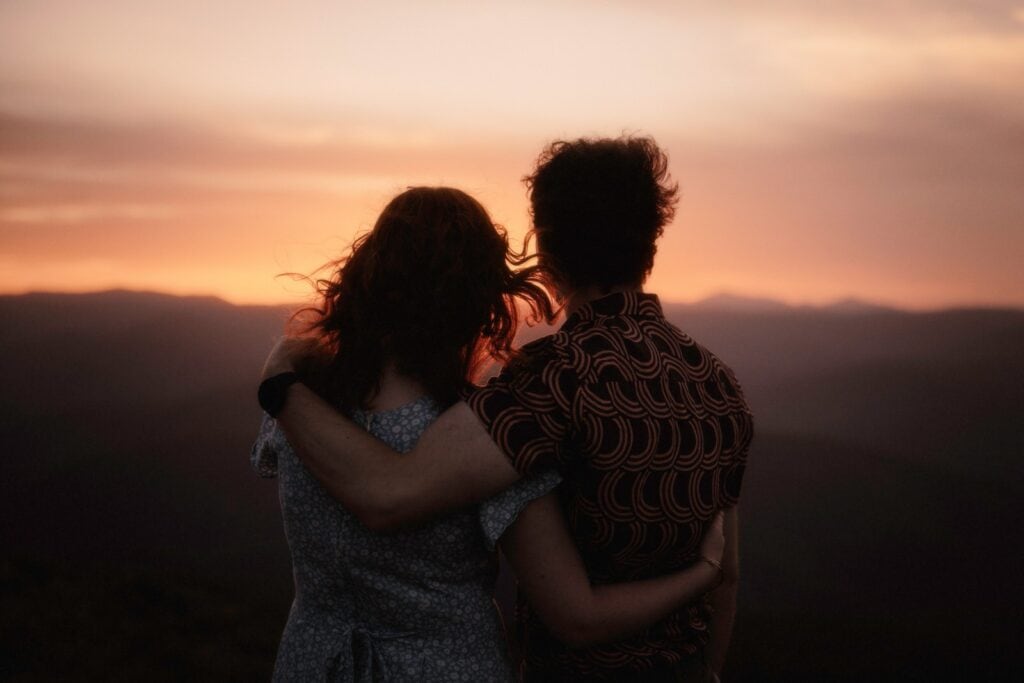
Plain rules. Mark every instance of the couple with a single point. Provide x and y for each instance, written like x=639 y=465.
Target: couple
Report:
x=604 y=460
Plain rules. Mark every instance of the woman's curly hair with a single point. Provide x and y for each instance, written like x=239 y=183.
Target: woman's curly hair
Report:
x=598 y=207
x=432 y=290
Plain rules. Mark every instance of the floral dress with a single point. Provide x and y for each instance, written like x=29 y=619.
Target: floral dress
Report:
x=415 y=605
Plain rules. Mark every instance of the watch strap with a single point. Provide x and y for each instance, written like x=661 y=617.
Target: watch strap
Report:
x=274 y=390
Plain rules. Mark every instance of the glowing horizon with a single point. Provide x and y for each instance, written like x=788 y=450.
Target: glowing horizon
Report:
x=824 y=151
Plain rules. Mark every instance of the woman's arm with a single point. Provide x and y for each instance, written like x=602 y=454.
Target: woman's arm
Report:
x=555 y=582
x=723 y=599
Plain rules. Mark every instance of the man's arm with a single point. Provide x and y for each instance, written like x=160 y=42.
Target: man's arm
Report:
x=552 y=576
x=723 y=599
x=455 y=462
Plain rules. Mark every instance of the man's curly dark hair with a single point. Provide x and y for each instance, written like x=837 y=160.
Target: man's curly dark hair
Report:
x=598 y=207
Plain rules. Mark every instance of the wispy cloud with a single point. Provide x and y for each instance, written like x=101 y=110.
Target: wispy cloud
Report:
x=78 y=213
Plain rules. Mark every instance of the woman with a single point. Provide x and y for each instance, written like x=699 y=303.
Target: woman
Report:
x=407 y=321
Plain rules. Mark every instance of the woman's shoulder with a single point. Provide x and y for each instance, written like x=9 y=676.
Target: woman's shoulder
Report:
x=401 y=425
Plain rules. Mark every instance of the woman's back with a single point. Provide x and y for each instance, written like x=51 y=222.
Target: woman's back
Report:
x=412 y=605
x=421 y=302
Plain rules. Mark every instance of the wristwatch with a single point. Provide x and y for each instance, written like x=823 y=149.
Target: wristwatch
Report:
x=274 y=390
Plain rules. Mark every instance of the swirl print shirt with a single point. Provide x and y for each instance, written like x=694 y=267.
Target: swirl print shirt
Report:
x=650 y=432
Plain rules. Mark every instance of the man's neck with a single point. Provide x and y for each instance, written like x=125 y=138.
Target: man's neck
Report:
x=585 y=295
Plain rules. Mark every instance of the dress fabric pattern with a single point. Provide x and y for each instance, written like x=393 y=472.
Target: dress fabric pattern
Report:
x=651 y=432
x=416 y=605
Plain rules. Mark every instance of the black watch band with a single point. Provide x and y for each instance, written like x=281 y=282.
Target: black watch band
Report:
x=274 y=390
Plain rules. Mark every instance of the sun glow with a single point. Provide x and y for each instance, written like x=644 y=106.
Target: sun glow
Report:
x=823 y=151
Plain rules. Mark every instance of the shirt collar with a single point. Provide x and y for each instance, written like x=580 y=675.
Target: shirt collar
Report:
x=634 y=304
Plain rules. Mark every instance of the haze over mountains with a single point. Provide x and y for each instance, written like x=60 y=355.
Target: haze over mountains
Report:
x=880 y=507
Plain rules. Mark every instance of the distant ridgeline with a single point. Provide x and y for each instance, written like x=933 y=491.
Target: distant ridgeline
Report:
x=879 y=505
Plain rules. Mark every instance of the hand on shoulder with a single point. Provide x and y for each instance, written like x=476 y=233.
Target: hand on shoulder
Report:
x=289 y=354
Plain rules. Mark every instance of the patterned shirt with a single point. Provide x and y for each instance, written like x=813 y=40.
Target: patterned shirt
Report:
x=650 y=432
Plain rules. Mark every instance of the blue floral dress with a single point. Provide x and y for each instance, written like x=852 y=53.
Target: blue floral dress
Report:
x=416 y=605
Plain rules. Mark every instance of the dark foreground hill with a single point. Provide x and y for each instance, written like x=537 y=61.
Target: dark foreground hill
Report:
x=880 y=510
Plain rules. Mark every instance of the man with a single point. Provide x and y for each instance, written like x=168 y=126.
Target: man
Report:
x=649 y=430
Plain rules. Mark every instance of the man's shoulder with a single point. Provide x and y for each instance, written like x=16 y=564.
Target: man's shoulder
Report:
x=539 y=355
x=700 y=362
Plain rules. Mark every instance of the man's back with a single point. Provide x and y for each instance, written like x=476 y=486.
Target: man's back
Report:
x=650 y=432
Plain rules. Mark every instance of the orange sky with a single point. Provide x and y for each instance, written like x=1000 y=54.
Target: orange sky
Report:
x=825 y=149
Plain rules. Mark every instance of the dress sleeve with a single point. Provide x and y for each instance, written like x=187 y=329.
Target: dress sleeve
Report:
x=497 y=514
x=269 y=442
x=528 y=408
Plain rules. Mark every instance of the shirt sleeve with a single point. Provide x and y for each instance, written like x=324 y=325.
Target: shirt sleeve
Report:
x=739 y=424
x=527 y=409
x=497 y=514
x=269 y=442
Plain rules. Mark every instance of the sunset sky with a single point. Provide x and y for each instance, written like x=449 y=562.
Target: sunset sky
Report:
x=824 y=149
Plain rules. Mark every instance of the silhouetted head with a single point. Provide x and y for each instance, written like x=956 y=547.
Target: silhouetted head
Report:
x=431 y=289
x=598 y=207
